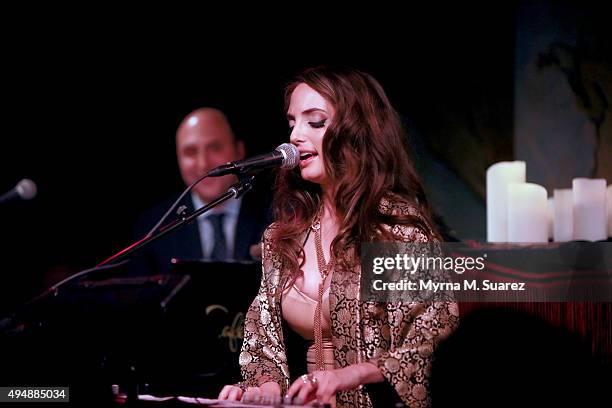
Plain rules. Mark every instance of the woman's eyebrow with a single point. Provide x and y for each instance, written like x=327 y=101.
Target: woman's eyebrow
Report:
x=306 y=112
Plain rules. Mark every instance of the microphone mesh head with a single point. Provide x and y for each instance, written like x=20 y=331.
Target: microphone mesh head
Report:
x=291 y=155
x=26 y=189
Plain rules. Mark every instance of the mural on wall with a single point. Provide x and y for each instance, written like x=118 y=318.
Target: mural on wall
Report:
x=589 y=76
x=563 y=86
x=475 y=133
x=466 y=136
x=543 y=97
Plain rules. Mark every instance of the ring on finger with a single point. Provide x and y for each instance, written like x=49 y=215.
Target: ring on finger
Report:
x=305 y=379
x=313 y=380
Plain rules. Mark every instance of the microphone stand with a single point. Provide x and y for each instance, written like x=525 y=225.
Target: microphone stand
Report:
x=244 y=184
x=17 y=321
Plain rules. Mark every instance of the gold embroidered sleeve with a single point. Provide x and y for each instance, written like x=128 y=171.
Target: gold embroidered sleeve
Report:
x=409 y=334
x=263 y=356
x=414 y=330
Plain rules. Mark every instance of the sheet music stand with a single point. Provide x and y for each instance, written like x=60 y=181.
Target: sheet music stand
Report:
x=205 y=318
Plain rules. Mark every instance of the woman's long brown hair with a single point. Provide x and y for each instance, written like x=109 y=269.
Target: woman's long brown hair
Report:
x=366 y=157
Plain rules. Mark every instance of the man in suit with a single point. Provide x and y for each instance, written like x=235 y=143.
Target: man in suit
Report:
x=232 y=231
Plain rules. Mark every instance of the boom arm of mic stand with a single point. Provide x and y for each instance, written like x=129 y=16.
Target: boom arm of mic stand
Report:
x=244 y=184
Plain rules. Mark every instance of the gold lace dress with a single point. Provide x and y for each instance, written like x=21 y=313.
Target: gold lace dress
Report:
x=398 y=337
x=298 y=310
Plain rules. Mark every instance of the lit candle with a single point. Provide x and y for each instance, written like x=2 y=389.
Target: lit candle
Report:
x=609 y=199
x=499 y=175
x=563 y=224
x=551 y=217
x=590 y=221
x=527 y=213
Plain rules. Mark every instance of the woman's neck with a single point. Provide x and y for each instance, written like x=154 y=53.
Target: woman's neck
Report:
x=328 y=207
x=329 y=219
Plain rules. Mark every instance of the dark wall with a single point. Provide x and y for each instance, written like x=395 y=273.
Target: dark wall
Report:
x=91 y=116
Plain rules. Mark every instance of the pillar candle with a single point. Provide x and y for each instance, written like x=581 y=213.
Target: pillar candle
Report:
x=609 y=200
x=551 y=217
x=527 y=213
x=563 y=224
x=498 y=177
x=590 y=221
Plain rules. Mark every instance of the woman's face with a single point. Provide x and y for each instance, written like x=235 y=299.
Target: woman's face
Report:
x=309 y=115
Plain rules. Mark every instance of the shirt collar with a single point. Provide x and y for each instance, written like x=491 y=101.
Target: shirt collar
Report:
x=231 y=207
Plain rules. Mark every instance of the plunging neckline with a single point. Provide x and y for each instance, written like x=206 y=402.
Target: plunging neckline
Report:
x=308 y=297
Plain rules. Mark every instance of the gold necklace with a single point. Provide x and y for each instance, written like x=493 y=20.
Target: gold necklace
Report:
x=324 y=269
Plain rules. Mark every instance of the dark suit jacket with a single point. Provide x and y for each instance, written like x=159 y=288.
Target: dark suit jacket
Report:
x=185 y=243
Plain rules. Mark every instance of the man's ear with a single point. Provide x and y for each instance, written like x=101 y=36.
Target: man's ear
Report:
x=240 y=149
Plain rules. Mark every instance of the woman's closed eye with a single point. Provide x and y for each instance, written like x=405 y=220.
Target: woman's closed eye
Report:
x=319 y=124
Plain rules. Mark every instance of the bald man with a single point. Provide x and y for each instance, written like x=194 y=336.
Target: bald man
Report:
x=205 y=140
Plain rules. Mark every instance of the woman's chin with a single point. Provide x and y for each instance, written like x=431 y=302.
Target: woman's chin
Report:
x=313 y=178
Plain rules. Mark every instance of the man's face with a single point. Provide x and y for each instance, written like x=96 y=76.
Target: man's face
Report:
x=202 y=145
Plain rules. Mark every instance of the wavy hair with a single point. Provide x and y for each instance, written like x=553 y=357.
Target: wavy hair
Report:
x=366 y=157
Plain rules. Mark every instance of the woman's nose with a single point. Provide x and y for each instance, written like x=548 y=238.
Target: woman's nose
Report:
x=295 y=137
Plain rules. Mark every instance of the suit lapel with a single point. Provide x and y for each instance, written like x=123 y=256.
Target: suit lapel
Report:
x=189 y=246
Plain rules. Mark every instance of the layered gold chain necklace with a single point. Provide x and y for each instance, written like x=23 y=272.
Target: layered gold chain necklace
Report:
x=324 y=269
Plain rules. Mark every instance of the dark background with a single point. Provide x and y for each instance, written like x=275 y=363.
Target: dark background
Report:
x=91 y=104
x=91 y=111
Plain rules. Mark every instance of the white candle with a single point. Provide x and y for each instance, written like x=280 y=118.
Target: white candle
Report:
x=550 y=217
x=498 y=177
x=563 y=223
x=527 y=213
x=609 y=200
x=590 y=221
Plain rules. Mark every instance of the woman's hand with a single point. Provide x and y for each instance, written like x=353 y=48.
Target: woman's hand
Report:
x=230 y=392
x=234 y=393
x=323 y=385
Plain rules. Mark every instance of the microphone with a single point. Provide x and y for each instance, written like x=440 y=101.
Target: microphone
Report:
x=286 y=156
x=25 y=189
